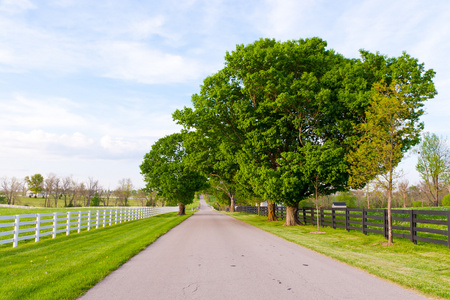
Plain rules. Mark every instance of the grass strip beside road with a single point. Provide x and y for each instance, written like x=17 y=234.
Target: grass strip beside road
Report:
x=67 y=266
x=424 y=267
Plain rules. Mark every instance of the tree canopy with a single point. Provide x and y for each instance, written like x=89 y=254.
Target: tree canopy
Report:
x=283 y=114
x=165 y=171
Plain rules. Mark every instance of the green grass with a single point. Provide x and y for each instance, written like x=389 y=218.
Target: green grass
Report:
x=423 y=267
x=67 y=266
x=6 y=211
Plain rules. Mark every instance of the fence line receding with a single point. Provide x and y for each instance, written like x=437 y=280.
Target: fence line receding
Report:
x=430 y=226
x=18 y=227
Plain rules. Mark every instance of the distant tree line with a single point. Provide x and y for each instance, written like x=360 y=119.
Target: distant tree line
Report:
x=56 y=191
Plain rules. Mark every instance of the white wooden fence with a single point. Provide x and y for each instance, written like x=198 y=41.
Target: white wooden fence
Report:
x=15 y=228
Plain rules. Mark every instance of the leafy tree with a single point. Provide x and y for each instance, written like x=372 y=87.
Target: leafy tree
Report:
x=433 y=164
x=165 y=171
x=35 y=183
x=270 y=101
x=390 y=129
x=212 y=147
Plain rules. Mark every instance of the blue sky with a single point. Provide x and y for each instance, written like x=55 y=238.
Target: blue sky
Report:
x=86 y=87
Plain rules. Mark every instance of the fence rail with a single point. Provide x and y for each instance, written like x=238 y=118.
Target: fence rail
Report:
x=18 y=227
x=430 y=226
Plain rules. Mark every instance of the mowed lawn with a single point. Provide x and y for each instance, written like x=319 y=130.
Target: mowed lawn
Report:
x=423 y=267
x=67 y=266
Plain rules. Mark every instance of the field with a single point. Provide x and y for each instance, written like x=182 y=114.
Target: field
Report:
x=67 y=266
x=423 y=267
x=39 y=202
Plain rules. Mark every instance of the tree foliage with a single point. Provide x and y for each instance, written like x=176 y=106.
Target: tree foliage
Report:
x=35 y=183
x=165 y=171
x=391 y=127
x=283 y=115
x=433 y=164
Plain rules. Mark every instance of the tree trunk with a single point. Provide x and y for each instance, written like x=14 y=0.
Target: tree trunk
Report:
x=437 y=196
x=390 y=240
x=367 y=196
x=271 y=216
x=292 y=216
x=181 y=209
x=232 y=203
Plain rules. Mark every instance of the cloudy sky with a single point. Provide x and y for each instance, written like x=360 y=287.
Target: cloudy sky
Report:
x=86 y=87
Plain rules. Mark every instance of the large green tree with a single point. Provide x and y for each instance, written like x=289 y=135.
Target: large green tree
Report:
x=270 y=102
x=165 y=171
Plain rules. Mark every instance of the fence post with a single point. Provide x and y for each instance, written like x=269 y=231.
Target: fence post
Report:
x=96 y=219
x=79 y=221
x=385 y=227
x=304 y=215
x=321 y=216
x=89 y=221
x=346 y=219
x=16 y=230
x=54 y=225
x=104 y=217
x=412 y=226
x=364 y=219
x=68 y=223
x=448 y=228
x=312 y=216
x=38 y=228
x=333 y=217
x=116 y=216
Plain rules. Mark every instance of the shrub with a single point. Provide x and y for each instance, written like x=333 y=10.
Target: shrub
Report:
x=95 y=201
x=417 y=204
x=446 y=200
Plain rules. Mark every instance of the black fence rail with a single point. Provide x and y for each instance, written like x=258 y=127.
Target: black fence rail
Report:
x=430 y=226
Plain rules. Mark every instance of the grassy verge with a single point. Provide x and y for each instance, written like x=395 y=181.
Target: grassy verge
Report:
x=424 y=267
x=66 y=267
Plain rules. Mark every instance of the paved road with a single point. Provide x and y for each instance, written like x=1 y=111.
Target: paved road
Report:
x=213 y=256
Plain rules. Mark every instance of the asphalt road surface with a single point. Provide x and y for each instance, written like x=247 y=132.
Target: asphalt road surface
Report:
x=213 y=256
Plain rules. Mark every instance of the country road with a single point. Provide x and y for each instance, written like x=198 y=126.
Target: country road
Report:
x=214 y=256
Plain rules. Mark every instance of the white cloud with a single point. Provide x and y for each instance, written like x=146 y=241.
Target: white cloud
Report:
x=15 y=6
x=21 y=111
x=287 y=19
x=138 y=62
x=143 y=29
x=39 y=140
x=121 y=145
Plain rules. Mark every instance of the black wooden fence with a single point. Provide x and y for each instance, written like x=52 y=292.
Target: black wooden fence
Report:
x=430 y=226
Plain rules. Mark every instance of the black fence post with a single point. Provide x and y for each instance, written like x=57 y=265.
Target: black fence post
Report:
x=448 y=228
x=304 y=215
x=333 y=216
x=364 y=218
x=412 y=226
x=321 y=217
x=312 y=216
x=385 y=227
x=346 y=219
